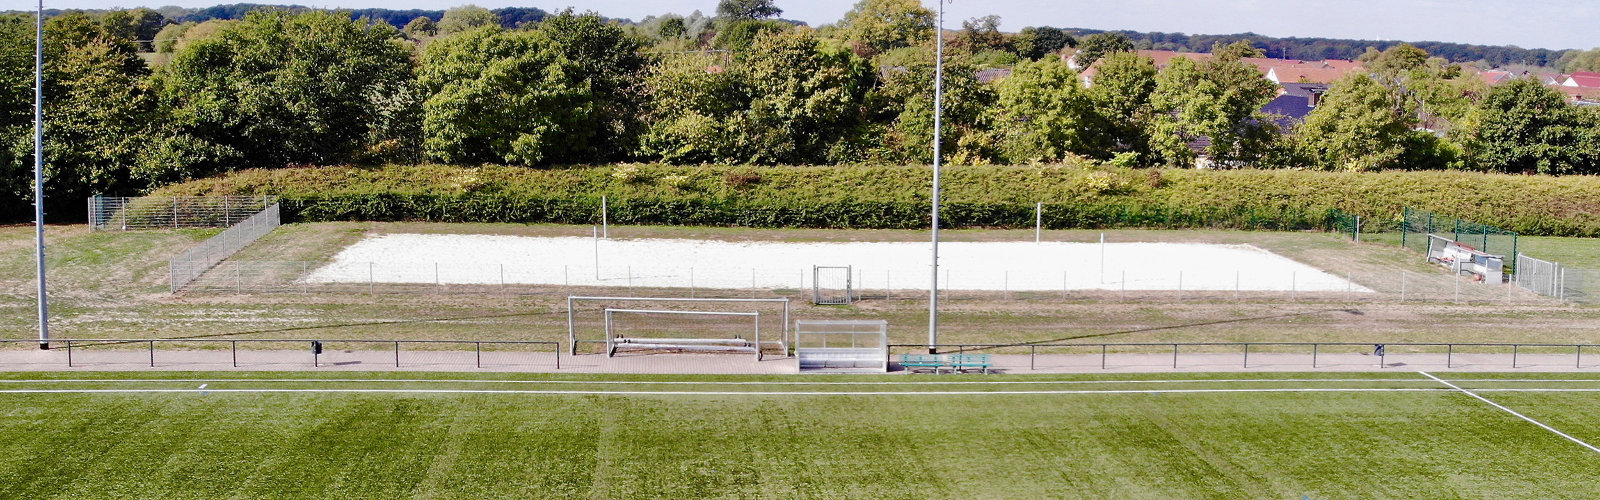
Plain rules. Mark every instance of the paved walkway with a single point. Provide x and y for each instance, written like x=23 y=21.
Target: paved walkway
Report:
x=121 y=359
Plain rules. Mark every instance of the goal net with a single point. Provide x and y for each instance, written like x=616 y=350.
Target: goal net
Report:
x=663 y=324
x=683 y=331
x=831 y=285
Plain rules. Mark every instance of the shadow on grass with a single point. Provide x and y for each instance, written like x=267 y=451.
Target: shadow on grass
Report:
x=1169 y=327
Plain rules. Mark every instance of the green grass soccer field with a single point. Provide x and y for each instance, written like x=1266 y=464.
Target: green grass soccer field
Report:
x=253 y=435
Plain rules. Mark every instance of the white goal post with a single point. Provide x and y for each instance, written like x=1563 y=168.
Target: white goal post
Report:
x=585 y=316
x=842 y=346
x=616 y=340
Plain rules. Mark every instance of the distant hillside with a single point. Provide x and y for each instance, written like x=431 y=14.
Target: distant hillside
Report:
x=1316 y=49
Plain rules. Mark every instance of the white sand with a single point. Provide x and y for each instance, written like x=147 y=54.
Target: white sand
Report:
x=1020 y=266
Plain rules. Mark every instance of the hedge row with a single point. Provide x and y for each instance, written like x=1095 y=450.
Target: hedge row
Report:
x=897 y=197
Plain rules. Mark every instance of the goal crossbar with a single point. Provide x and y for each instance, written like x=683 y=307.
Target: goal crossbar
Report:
x=573 y=300
x=613 y=341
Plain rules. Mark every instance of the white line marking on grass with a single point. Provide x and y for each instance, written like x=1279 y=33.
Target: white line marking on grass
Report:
x=1513 y=412
x=718 y=393
x=728 y=382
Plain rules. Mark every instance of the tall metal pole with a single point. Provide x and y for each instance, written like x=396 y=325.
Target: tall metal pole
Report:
x=938 y=122
x=38 y=173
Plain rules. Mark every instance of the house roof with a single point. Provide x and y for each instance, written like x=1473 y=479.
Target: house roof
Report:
x=1304 y=75
x=1495 y=77
x=1584 y=79
x=1579 y=93
x=1165 y=57
x=991 y=74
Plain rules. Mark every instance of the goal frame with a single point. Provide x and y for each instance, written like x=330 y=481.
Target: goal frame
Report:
x=784 y=339
x=613 y=342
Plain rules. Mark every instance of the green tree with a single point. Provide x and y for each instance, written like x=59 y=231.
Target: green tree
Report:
x=168 y=37
x=804 y=97
x=140 y=25
x=1121 y=96
x=1038 y=42
x=504 y=96
x=747 y=10
x=877 y=26
x=693 y=98
x=1355 y=128
x=903 y=103
x=671 y=27
x=981 y=33
x=420 y=28
x=284 y=88
x=1527 y=127
x=610 y=63
x=1216 y=103
x=1397 y=59
x=466 y=17
x=1581 y=60
x=1091 y=48
x=1043 y=114
x=738 y=36
x=97 y=108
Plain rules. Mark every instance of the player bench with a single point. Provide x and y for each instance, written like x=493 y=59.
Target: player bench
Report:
x=955 y=362
x=960 y=362
x=915 y=361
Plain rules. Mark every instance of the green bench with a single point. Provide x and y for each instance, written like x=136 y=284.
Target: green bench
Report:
x=914 y=361
x=960 y=362
x=955 y=362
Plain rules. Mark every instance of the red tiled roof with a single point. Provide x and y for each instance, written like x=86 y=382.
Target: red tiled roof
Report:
x=1307 y=75
x=1585 y=80
x=1587 y=94
x=1495 y=77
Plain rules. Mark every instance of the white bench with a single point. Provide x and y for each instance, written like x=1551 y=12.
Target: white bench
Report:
x=835 y=359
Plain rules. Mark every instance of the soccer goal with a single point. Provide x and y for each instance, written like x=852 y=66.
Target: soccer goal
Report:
x=668 y=324
x=659 y=330
x=832 y=285
x=842 y=346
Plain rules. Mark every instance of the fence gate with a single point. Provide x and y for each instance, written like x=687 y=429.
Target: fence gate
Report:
x=831 y=285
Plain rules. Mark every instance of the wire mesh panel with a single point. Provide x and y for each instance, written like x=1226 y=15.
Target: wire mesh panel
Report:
x=152 y=212
x=842 y=346
x=832 y=285
x=590 y=331
x=189 y=265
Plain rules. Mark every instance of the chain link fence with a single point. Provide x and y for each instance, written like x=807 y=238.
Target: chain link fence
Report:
x=156 y=212
x=1552 y=279
x=192 y=264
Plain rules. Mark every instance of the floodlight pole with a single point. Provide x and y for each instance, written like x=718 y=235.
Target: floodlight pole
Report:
x=938 y=122
x=38 y=173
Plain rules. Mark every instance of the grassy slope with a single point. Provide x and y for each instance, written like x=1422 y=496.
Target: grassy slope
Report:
x=1000 y=195
x=1145 y=445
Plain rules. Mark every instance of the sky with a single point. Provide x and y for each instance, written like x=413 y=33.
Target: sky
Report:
x=1552 y=24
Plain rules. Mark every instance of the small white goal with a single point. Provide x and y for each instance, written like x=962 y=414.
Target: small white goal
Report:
x=654 y=336
x=842 y=346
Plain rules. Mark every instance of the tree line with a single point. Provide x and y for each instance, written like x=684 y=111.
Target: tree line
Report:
x=281 y=88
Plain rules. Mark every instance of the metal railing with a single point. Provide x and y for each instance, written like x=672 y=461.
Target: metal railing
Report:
x=172 y=212
x=313 y=349
x=1380 y=349
x=191 y=264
